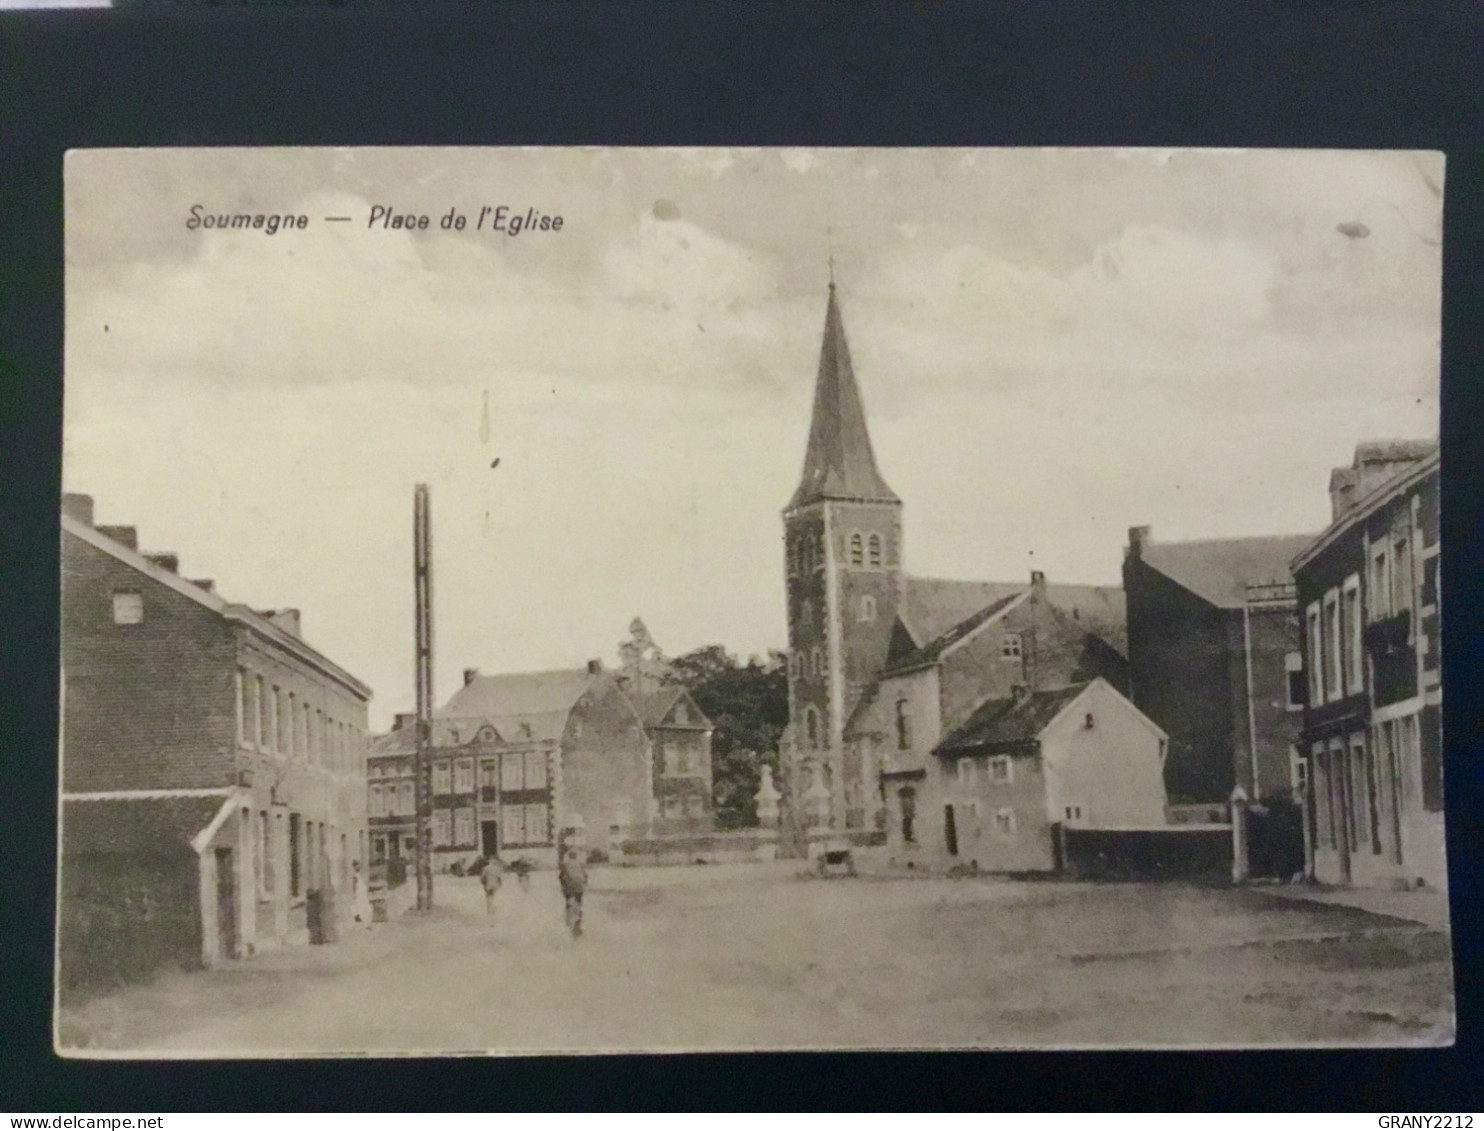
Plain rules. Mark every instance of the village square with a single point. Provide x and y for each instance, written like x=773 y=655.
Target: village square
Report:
x=1200 y=805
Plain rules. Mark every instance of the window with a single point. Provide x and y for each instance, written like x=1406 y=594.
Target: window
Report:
x=1316 y=654
x=873 y=550
x=904 y=726
x=867 y=609
x=239 y=695
x=375 y=803
x=695 y=805
x=463 y=826
x=536 y=830
x=1401 y=574
x=128 y=608
x=1350 y=636
x=535 y=769
x=818 y=658
x=1380 y=583
x=261 y=699
x=672 y=808
x=1332 y=689
x=270 y=739
x=512 y=824
x=1293 y=667
x=296 y=855
x=291 y=726
x=1298 y=771
x=857 y=549
x=1010 y=647
x=442 y=828
x=965 y=771
x=999 y=770
x=680 y=760
x=806 y=613
x=510 y=773
x=440 y=778
x=1004 y=822
x=1072 y=812
x=406 y=800
x=811 y=727
x=1358 y=800
x=463 y=776
x=306 y=734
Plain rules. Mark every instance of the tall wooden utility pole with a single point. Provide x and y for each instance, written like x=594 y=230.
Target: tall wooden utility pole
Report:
x=422 y=570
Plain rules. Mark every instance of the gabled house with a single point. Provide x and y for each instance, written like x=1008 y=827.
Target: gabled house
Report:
x=1214 y=660
x=998 y=785
x=680 y=738
x=1018 y=641
x=516 y=757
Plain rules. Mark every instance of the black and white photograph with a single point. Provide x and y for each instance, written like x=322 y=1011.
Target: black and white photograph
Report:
x=521 y=601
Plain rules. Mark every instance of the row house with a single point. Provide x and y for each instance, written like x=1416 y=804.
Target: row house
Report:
x=514 y=758
x=212 y=763
x=1372 y=734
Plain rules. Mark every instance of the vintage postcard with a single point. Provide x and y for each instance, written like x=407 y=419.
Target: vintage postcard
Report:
x=659 y=600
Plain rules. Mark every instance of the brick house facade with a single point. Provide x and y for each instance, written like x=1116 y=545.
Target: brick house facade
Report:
x=173 y=700
x=1371 y=596
x=1214 y=660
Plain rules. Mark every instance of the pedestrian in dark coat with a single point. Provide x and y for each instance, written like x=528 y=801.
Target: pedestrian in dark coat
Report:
x=572 y=874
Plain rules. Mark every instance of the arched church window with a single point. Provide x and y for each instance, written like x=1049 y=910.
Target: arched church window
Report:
x=811 y=727
x=817 y=661
x=904 y=726
x=806 y=613
x=874 y=550
x=819 y=551
x=868 y=608
x=857 y=549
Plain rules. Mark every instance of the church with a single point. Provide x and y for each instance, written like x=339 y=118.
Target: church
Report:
x=882 y=664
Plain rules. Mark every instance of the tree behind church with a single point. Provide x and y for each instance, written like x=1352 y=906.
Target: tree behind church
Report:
x=748 y=705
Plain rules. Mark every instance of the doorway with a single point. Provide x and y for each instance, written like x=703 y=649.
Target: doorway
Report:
x=950 y=830
x=226 y=904
x=489 y=838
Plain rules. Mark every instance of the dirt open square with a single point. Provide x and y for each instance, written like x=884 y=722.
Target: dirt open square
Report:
x=765 y=957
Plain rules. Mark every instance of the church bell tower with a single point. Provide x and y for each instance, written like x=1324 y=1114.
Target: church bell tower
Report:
x=842 y=566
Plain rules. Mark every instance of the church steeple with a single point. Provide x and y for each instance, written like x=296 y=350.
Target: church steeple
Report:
x=839 y=463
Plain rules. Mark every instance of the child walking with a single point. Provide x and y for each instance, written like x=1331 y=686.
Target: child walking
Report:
x=490 y=878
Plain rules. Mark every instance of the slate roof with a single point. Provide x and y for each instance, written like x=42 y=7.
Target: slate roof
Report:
x=1220 y=570
x=539 y=700
x=1008 y=724
x=929 y=652
x=932 y=606
x=653 y=706
x=153 y=826
x=838 y=462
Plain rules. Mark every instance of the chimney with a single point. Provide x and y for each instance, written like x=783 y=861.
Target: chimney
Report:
x=595 y=667
x=170 y=563
x=1038 y=582
x=470 y=675
x=286 y=619
x=403 y=721
x=79 y=508
x=1342 y=484
x=123 y=535
x=205 y=583
x=1138 y=538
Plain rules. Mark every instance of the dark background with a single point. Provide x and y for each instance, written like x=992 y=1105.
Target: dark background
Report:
x=1356 y=75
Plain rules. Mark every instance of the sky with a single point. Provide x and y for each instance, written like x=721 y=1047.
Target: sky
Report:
x=1052 y=346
